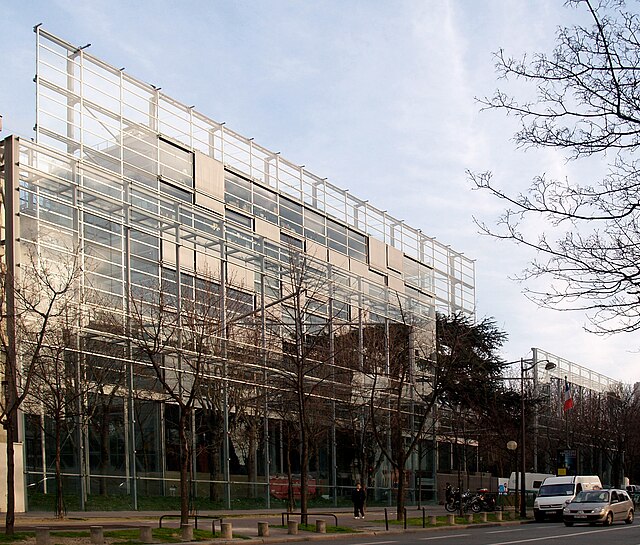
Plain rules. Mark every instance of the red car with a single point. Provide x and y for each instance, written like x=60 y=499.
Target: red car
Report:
x=280 y=484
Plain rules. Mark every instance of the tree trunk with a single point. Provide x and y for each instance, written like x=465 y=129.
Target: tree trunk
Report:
x=11 y=499
x=291 y=501
x=213 y=449
x=252 y=468
x=104 y=450
x=400 y=500
x=304 y=476
x=185 y=458
x=304 y=438
x=60 y=509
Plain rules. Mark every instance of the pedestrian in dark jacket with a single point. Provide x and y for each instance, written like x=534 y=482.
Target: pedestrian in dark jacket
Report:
x=358 y=496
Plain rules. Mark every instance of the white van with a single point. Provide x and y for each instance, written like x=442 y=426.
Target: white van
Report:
x=532 y=481
x=556 y=492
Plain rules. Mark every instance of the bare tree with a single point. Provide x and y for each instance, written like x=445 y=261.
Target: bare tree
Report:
x=404 y=387
x=305 y=373
x=175 y=333
x=604 y=423
x=587 y=105
x=354 y=419
x=35 y=305
x=58 y=390
x=105 y=372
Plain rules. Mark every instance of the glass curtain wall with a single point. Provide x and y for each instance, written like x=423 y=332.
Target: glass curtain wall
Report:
x=113 y=180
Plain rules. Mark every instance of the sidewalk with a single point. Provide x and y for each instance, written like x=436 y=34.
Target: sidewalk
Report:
x=244 y=522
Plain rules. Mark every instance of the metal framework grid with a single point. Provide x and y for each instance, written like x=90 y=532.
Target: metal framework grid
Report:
x=85 y=106
x=110 y=174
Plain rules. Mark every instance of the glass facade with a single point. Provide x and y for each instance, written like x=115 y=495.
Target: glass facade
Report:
x=180 y=224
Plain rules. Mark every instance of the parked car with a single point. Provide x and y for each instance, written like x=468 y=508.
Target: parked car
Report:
x=279 y=485
x=605 y=506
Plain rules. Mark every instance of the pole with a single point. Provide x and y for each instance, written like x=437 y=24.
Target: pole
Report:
x=523 y=451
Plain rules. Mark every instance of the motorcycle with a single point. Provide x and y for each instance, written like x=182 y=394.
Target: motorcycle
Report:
x=483 y=501
x=455 y=498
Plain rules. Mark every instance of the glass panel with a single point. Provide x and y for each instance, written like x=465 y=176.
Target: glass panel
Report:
x=237 y=192
x=290 y=215
x=176 y=163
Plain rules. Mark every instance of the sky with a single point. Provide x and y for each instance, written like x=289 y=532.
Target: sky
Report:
x=378 y=96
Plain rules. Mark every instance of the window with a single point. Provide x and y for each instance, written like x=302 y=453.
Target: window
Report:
x=265 y=204
x=176 y=163
x=291 y=241
x=237 y=192
x=314 y=226
x=102 y=231
x=238 y=218
x=357 y=246
x=337 y=235
x=290 y=215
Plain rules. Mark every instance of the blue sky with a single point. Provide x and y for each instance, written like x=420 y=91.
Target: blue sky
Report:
x=375 y=95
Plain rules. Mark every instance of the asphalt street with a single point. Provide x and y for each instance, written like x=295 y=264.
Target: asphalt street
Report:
x=371 y=529
x=535 y=533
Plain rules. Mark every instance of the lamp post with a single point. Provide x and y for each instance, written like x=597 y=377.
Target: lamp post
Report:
x=523 y=460
x=513 y=446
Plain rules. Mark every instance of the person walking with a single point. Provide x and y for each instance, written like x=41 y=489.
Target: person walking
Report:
x=358 y=497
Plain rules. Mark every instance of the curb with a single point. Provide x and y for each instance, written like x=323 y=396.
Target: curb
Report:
x=372 y=533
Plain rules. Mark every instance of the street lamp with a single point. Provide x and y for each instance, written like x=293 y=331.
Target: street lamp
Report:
x=513 y=446
x=523 y=468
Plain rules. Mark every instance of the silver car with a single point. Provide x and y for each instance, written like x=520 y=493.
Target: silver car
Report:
x=605 y=506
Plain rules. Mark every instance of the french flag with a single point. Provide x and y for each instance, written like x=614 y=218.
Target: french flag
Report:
x=568 y=399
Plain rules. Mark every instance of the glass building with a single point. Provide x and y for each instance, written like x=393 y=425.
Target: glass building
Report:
x=205 y=273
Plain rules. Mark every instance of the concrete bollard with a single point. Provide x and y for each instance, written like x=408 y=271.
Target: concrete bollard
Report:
x=97 y=536
x=186 y=532
x=146 y=536
x=451 y=519
x=321 y=526
x=433 y=520
x=469 y=518
x=483 y=516
x=263 y=529
x=226 y=530
x=42 y=536
x=499 y=516
x=292 y=527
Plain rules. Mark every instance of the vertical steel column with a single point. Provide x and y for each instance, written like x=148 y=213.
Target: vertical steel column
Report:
x=153 y=111
x=387 y=365
x=43 y=447
x=81 y=431
x=163 y=439
x=71 y=102
x=225 y=393
x=535 y=414
x=194 y=474
x=79 y=356
x=263 y=341
x=11 y=210
x=281 y=448
x=412 y=386
x=523 y=450
x=130 y=430
x=332 y=362
x=365 y=406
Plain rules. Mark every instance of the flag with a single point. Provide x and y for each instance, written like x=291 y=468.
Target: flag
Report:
x=568 y=399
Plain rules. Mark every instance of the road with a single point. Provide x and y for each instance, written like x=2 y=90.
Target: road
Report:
x=526 y=534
